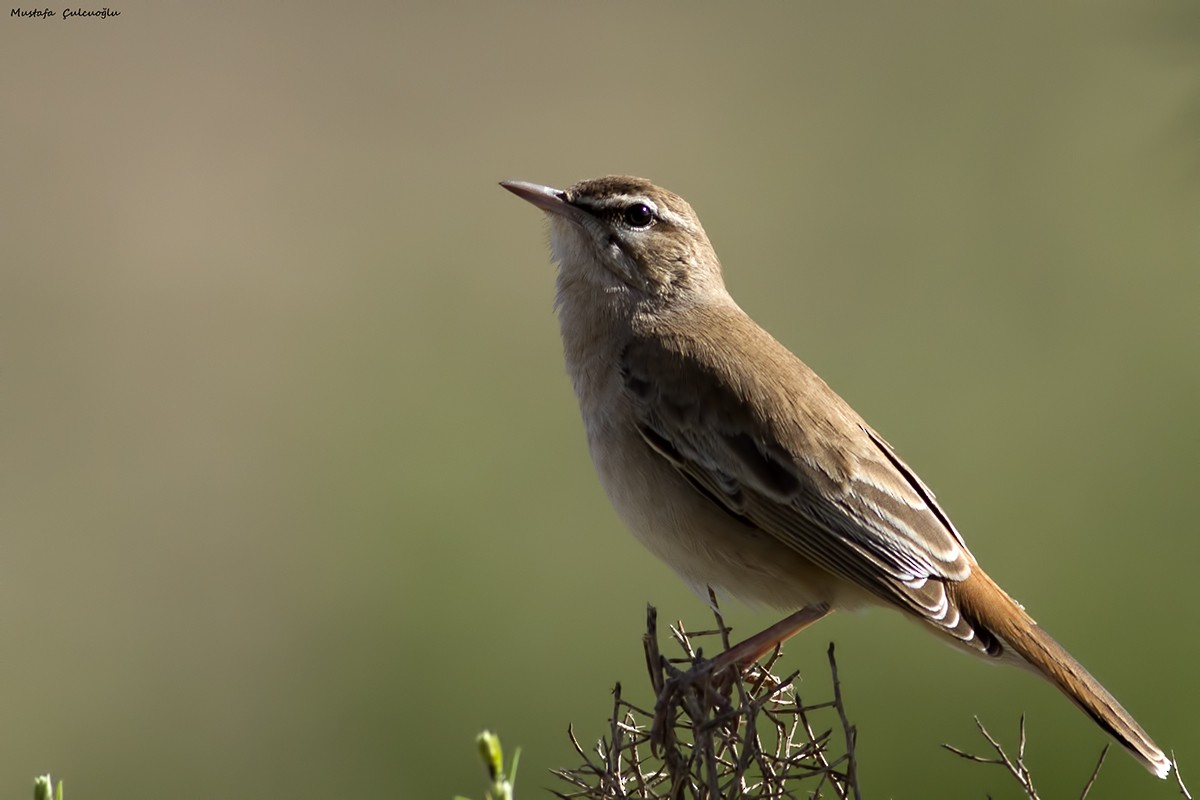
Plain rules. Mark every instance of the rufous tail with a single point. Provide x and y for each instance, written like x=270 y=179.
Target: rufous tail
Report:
x=993 y=611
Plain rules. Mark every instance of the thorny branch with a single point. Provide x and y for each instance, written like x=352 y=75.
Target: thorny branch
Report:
x=733 y=733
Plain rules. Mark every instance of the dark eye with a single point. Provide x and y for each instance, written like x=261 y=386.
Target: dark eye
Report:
x=639 y=215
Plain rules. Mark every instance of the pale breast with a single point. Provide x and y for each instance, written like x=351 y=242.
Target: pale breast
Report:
x=698 y=538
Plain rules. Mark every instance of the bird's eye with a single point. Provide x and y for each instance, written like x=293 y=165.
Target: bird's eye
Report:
x=639 y=215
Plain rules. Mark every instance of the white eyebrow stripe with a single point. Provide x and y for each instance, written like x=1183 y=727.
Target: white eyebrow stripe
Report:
x=675 y=219
x=617 y=202
x=622 y=200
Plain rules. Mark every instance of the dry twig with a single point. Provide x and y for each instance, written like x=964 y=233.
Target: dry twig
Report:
x=728 y=734
x=1016 y=767
x=1183 y=790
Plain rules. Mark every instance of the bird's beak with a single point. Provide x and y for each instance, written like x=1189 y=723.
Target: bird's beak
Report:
x=548 y=199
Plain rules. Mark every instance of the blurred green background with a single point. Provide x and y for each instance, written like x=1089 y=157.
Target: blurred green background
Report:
x=296 y=499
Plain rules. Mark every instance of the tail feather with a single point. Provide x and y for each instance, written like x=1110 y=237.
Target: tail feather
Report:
x=989 y=608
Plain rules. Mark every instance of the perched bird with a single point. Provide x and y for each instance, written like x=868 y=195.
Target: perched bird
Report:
x=734 y=463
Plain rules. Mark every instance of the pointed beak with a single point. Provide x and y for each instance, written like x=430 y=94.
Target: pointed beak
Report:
x=547 y=198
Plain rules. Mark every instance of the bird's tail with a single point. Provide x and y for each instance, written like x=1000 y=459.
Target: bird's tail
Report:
x=990 y=608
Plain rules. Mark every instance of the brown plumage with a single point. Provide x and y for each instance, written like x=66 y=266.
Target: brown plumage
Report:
x=738 y=466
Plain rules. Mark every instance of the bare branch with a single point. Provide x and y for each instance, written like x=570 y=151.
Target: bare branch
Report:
x=1017 y=769
x=1183 y=790
x=1095 y=773
x=716 y=733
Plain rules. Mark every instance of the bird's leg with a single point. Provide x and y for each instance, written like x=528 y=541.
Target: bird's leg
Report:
x=750 y=650
x=743 y=654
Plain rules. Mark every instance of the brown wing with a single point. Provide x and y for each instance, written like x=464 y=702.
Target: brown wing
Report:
x=762 y=436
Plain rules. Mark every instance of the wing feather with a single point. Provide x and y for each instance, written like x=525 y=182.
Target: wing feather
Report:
x=773 y=445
